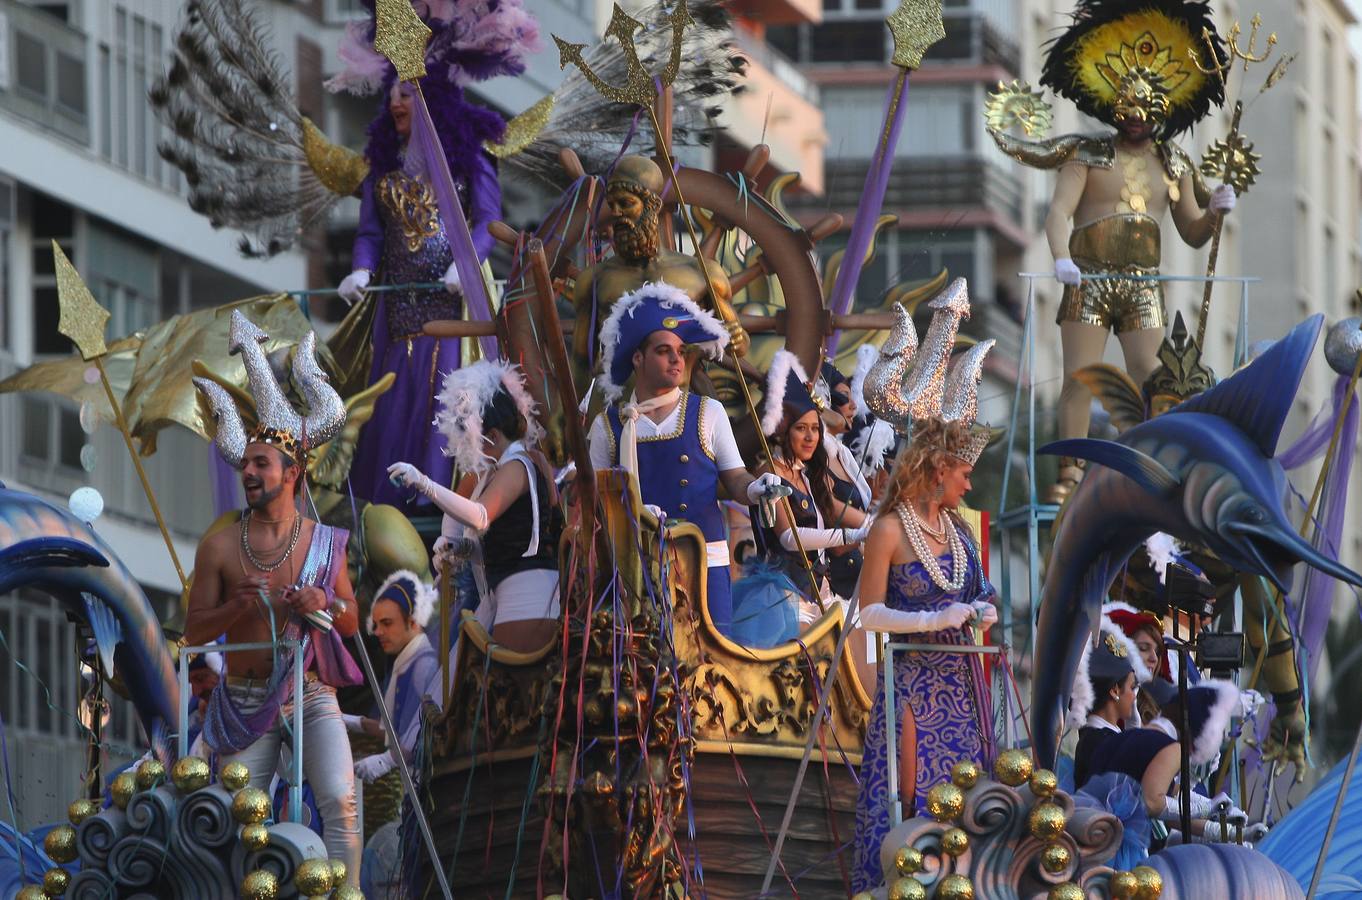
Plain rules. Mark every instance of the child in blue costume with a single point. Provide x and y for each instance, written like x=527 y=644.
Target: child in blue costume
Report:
x=679 y=444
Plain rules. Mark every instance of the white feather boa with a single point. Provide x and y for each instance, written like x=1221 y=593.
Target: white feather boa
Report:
x=464 y=394
x=871 y=445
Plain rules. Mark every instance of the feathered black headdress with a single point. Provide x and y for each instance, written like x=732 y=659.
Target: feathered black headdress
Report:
x=1118 y=47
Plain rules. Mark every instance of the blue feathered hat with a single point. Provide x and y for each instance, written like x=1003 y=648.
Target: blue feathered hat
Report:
x=657 y=306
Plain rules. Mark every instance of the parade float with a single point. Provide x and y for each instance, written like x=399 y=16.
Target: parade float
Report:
x=642 y=751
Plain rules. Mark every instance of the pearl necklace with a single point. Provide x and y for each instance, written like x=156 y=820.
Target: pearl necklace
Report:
x=913 y=528
x=938 y=533
x=250 y=553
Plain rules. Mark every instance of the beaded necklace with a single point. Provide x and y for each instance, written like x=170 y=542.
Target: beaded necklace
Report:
x=913 y=528
x=250 y=553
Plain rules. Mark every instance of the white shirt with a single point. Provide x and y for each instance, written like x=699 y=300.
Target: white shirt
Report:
x=1096 y=721
x=716 y=433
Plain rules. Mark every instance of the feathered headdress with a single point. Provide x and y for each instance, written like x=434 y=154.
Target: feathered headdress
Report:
x=787 y=388
x=465 y=398
x=874 y=446
x=657 y=306
x=277 y=422
x=1139 y=57
x=866 y=354
x=471 y=40
x=910 y=383
x=408 y=591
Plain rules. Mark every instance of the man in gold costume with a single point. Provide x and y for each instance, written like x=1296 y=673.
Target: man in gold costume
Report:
x=1132 y=67
x=633 y=197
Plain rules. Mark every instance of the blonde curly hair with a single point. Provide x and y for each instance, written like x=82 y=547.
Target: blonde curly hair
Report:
x=924 y=457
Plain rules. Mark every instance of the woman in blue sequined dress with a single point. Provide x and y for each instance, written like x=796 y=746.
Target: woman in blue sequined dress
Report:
x=922 y=583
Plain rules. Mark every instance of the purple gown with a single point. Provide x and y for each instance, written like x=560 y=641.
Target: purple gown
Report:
x=402 y=240
x=950 y=706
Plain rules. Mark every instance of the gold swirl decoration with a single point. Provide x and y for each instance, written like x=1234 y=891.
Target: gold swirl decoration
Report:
x=1016 y=104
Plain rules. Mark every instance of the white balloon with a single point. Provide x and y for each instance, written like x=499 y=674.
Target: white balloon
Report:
x=86 y=504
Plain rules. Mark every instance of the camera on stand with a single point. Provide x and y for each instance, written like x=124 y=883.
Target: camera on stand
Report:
x=1221 y=653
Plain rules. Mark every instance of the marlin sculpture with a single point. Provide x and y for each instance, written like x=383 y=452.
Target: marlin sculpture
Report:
x=44 y=547
x=1203 y=472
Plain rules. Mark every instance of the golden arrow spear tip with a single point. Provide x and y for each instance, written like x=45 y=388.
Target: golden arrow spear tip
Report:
x=82 y=318
x=400 y=35
x=915 y=25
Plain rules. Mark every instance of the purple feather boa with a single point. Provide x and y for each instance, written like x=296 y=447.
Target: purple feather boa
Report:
x=462 y=126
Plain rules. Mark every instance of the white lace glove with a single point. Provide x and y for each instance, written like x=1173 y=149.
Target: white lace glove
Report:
x=352 y=723
x=1203 y=807
x=352 y=286
x=1066 y=272
x=988 y=613
x=372 y=768
x=822 y=538
x=1255 y=832
x=469 y=512
x=1222 y=200
x=767 y=487
x=878 y=617
x=451 y=278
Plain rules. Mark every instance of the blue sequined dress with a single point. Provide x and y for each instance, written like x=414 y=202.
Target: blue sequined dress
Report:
x=946 y=697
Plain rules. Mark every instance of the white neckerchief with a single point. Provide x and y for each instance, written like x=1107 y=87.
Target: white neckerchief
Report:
x=1096 y=721
x=797 y=466
x=400 y=666
x=629 y=413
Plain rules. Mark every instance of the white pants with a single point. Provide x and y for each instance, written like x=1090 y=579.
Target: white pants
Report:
x=327 y=764
x=532 y=594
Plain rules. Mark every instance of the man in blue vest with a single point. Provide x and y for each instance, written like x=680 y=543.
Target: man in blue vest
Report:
x=679 y=444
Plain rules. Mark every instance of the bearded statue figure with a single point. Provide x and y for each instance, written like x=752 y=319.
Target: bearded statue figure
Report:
x=633 y=199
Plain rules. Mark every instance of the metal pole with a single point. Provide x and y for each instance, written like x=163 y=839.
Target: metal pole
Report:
x=183 y=676
x=295 y=788
x=890 y=738
x=1333 y=817
x=823 y=698
x=1184 y=732
x=407 y=783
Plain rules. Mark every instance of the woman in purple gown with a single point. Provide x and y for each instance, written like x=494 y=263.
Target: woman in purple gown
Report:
x=401 y=238
x=922 y=583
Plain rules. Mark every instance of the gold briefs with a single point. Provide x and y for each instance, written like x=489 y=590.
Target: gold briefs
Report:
x=1122 y=243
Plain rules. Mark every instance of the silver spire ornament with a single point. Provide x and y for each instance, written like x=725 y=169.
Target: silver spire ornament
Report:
x=912 y=383
x=278 y=423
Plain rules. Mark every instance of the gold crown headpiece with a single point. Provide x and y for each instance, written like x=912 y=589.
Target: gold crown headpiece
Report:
x=911 y=383
x=278 y=423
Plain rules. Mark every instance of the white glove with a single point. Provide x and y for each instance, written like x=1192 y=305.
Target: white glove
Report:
x=352 y=286
x=372 y=768
x=1223 y=199
x=451 y=278
x=1203 y=807
x=1255 y=832
x=469 y=512
x=406 y=475
x=1250 y=701
x=988 y=613
x=352 y=723
x=767 y=486
x=822 y=538
x=1066 y=272
x=657 y=511
x=878 y=617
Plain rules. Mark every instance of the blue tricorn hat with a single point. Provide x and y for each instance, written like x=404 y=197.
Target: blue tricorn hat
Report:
x=787 y=394
x=657 y=306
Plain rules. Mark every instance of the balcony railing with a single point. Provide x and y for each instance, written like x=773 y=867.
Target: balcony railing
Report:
x=929 y=182
x=42 y=74
x=972 y=38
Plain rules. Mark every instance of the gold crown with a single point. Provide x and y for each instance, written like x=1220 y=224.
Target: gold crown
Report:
x=280 y=438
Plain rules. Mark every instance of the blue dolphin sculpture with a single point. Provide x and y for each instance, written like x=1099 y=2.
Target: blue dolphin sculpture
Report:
x=1203 y=472
x=44 y=547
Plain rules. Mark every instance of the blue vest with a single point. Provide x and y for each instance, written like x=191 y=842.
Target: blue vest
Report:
x=677 y=473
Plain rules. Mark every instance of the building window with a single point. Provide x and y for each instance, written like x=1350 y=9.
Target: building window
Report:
x=51 y=221
x=8 y=198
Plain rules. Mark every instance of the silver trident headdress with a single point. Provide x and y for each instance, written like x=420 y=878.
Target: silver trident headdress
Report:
x=912 y=383
x=277 y=422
